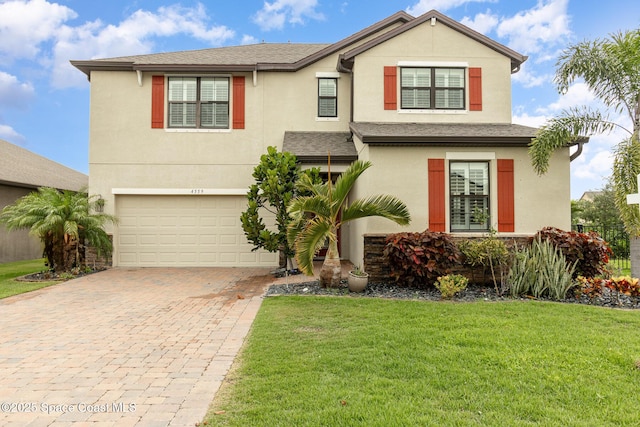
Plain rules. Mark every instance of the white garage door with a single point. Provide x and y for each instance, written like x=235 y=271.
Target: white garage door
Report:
x=183 y=231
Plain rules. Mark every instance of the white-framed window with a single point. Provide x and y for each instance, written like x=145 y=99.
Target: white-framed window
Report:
x=432 y=88
x=469 y=198
x=327 y=97
x=199 y=102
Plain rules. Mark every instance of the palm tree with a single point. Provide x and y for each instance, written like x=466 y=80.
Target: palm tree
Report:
x=62 y=221
x=611 y=70
x=318 y=217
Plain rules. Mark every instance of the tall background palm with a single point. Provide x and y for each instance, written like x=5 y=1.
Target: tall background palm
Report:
x=62 y=221
x=611 y=70
x=318 y=217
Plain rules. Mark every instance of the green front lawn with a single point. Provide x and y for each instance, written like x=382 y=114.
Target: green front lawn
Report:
x=343 y=361
x=9 y=271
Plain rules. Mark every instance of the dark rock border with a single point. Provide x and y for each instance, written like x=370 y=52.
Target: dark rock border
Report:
x=473 y=293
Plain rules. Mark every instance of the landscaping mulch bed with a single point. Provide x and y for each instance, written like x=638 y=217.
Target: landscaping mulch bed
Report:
x=47 y=276
x=472 y=293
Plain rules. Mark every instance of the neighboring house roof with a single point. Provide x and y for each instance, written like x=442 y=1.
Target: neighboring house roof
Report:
x=589 y=196
x=313 y=147
x=285 y=56
x=476 y=134
x=23 y=168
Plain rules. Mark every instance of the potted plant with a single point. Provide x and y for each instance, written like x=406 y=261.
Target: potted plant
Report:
x=358 y=279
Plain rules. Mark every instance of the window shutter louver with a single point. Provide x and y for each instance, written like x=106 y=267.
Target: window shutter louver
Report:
x=238 y=102
x=506 y=208
x=390 y=88
x=157 y=102
x=436 y=195
x=475 y=89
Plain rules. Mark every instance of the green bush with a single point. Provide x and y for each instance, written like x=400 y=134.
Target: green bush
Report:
x=418 y=259
x=540 y=270
x=588 y=251
x=488 y=253
x=451 y=284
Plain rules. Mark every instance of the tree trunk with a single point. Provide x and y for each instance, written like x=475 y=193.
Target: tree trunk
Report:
x=331 y=271
x=634 y=250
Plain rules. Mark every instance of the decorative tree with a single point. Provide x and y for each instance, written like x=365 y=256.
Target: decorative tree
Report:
x=276 y=176
x=611 y=70
x=62 y=220
x=318 y=217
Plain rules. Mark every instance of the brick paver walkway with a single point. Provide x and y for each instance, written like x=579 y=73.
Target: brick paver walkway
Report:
x=124 y=347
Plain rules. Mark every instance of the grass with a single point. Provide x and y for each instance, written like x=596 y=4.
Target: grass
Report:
x=9 y=271
x=370 y=362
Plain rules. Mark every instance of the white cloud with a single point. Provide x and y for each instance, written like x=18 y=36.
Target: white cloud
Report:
x=9 y=134
x=528 y=78
x=247 y=39
x=533 y=121
x=13 y=93
x=531 y=30
x=25 y=25
x=133 y=36
x=577 y=95
x=482 y=22
x=593 y=166
x=424 y=6
x=273 y=16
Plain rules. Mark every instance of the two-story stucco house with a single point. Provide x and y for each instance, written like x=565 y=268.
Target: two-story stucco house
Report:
x=175 y=137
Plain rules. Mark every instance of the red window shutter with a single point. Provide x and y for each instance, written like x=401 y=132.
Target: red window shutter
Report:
x=506 y=190
x=436 y=195
x=157 y=102
x=390 y=88
x=475 y=89
x=238 y=102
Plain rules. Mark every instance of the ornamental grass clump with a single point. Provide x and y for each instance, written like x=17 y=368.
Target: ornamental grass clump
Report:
x=540 y=270
x=451 y=284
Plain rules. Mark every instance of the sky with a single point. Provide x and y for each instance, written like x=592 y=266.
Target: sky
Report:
x=44 y=101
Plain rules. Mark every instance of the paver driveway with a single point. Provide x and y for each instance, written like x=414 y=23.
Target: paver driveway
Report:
x=124 y=347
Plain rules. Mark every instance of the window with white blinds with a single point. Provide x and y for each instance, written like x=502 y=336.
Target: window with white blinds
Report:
x=432 y=88
x=199 y=102
x=327 y=97
x=469 y=196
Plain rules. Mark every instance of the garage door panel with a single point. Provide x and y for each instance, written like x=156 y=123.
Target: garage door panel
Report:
x=184 y=231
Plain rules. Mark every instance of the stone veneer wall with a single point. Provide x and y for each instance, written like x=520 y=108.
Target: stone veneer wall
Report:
x=92 y=259
x=376 y=265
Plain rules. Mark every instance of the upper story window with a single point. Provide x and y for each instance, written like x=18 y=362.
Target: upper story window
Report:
x=199 y=102
x=432 y=88
x=469 y=196
x=327 y=97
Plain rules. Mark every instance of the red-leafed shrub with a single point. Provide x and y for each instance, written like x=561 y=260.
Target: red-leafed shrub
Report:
x=589 y=250
x=418 y=259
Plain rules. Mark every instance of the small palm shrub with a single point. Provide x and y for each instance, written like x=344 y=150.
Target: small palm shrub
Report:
x=451 y=284
x=418 y=259
x=540 y=270
x=588 y=251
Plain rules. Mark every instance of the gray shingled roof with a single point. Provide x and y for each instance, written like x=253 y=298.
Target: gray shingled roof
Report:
x=477 y=134
x=312 y=147
x=274 y=53
x=26 y=169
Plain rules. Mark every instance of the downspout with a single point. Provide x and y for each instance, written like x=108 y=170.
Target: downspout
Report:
x=342 y=68
x=577 y=153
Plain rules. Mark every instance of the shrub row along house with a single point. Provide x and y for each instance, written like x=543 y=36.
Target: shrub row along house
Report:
x=175 y=136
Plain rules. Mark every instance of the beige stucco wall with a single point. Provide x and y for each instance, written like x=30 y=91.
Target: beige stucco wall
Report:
x=16 y=245
x=434 y=44
x=540 y=201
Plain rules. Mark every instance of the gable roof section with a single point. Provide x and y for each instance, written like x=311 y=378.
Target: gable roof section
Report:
x=22 y=168
x=462 y=134
x=259 y=57
x=313 y=147
x=346 y=59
